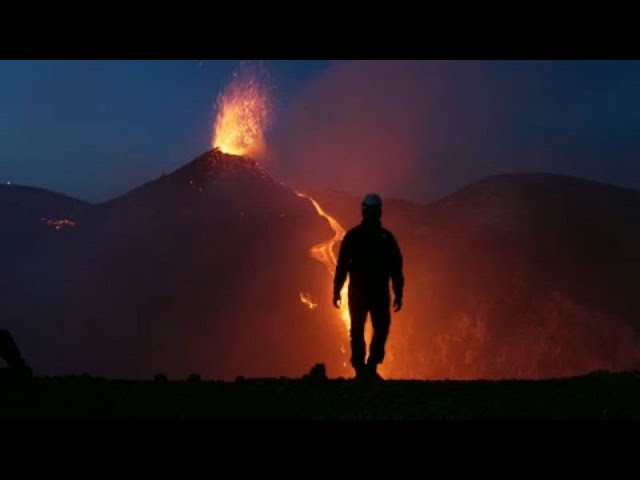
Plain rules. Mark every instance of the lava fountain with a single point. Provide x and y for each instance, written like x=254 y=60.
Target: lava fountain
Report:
x=244 y=109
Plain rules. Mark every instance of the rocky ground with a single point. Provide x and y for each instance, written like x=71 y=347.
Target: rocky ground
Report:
x=599 y=395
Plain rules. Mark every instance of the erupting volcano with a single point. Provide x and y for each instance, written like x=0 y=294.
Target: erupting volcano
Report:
x=243 y=114
x=217 y=268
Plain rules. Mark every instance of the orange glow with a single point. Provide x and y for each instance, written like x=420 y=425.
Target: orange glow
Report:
x=306 y=299
x=243 y=115
x=324 y=253
x=58 y=223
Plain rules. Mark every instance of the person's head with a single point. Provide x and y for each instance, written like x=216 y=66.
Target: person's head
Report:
x=372 y=207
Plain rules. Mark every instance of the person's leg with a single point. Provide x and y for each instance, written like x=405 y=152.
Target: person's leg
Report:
x=358 y=314
x=381 y=320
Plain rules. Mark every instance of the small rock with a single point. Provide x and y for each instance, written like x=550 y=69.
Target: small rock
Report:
x=317 y=373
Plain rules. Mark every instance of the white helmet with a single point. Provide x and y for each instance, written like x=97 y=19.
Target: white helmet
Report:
x=372 y=200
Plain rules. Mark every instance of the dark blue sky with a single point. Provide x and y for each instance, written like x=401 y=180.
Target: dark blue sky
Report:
x=94 y=129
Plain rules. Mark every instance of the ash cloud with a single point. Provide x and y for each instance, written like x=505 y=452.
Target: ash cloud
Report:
x=421 y=129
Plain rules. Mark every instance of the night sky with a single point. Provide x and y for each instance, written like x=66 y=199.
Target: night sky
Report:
x=418 y=130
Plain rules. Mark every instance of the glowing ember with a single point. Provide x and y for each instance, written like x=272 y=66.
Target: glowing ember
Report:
x=323 y=252
x=306 y=299
x=243 y=113
x=58 y=223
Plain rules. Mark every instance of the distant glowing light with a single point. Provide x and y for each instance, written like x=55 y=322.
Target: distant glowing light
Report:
x=58 y=224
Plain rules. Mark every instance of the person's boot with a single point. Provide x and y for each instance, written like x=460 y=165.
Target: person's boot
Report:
x=361 y=372
x=372 y=371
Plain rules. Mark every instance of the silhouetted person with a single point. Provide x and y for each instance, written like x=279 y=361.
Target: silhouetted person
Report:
x=370 y=255
x=10 y=353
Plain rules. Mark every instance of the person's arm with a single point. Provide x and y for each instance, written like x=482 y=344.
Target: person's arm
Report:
x=397 y=276
x=342 y=268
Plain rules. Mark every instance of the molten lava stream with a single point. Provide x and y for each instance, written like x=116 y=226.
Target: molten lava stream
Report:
x=324 y=253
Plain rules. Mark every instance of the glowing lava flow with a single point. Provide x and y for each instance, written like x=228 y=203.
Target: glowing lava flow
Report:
x=324 y=253
x=307 y=300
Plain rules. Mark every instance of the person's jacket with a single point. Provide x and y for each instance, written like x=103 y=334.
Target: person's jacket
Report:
x=371 y=256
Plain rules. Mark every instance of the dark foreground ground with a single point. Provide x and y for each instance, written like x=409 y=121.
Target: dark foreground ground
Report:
x=597 y=395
